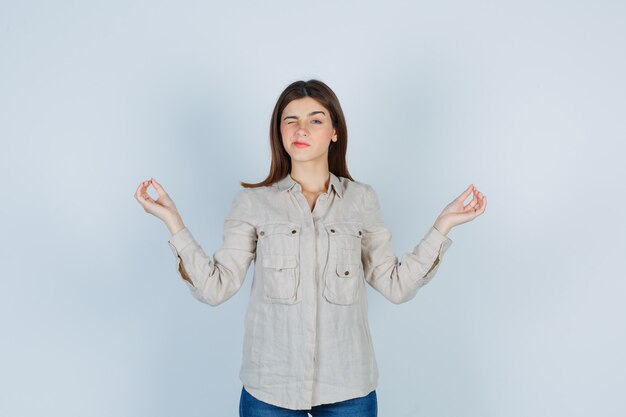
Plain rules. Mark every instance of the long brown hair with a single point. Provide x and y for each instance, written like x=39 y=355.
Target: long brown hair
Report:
x=281 y=161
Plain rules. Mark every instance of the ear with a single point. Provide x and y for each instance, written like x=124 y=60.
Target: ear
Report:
x=334 y=136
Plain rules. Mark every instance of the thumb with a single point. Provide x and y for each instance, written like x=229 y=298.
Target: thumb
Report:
x=158 y=187
x=465 y=193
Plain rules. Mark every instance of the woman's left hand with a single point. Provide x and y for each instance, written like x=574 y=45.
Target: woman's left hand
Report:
x=456 y=213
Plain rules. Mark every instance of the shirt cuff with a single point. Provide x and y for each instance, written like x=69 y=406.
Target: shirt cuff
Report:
x=180 y=240
x=437 y=241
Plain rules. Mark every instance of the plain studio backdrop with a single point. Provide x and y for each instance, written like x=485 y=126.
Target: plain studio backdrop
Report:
x=526 y=100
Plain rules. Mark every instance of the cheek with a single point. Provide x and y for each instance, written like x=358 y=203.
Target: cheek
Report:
x=286 y=132
x=286 y=137
x=326 y=130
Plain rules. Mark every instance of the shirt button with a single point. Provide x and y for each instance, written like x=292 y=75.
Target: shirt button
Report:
x=332 y=230
x=293 y=232
x=346 y=273
x=262 y=233
x=359 y=233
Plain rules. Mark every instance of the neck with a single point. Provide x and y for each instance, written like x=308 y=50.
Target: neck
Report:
x=312 y=179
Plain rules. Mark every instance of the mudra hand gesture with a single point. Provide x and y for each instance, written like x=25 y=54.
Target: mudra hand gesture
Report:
x=456 y=213
x=163 y=207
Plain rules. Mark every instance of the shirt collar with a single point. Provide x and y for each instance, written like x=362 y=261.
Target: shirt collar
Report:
x=288 y=182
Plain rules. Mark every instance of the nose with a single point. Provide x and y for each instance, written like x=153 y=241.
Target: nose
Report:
x=302 y=131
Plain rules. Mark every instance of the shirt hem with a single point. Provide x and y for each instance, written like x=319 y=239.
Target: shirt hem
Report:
x=356 y=393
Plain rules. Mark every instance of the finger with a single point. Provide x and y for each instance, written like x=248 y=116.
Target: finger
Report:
x=477 y=196
x=144 y=184
x=465 y=193
x=467 y=209
x=140 y=190
x=474 y=199
x=471 y=205
x=143 y=192
x=483 y=204
x=158 y=187
x=146 y=200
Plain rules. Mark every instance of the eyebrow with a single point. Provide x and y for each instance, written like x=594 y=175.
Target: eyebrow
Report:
x=310 y=114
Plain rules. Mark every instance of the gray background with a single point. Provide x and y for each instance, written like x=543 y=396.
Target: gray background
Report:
x=524 y=99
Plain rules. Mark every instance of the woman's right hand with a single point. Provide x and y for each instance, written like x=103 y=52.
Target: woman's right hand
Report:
x=163 y=207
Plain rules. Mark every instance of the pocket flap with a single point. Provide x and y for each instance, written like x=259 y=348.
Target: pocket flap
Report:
x=280 y=261
x=284 y=228
x=347 y=270
x=353 y=229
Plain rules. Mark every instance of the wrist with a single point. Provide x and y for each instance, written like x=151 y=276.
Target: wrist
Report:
x=442 y=227
x=175 y=224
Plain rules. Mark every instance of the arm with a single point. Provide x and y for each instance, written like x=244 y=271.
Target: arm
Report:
x=214 y=279
x=397 y=280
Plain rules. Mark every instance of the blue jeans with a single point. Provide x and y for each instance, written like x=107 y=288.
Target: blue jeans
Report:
x=366 y=406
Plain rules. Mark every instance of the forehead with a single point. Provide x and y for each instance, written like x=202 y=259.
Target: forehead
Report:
x=303 y=106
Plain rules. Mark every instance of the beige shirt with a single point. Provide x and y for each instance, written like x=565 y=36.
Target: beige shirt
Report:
x=307 y=339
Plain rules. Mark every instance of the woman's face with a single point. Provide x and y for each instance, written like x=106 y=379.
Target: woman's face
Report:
x=307 y=122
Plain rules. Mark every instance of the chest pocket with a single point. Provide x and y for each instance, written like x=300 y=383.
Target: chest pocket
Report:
x=344 y=271
x=279 y=244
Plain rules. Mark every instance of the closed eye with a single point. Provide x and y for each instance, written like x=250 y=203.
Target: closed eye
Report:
x=320 y=122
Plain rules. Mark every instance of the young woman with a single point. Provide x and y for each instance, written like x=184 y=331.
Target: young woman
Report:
x=316 y=236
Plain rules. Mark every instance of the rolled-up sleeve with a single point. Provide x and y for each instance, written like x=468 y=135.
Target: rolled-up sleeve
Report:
x=398 y=281
x=214 y=279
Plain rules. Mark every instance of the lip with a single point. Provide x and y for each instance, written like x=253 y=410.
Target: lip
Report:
x=300 y=144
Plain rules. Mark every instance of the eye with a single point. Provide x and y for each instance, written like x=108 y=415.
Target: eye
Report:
x=317 y=121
